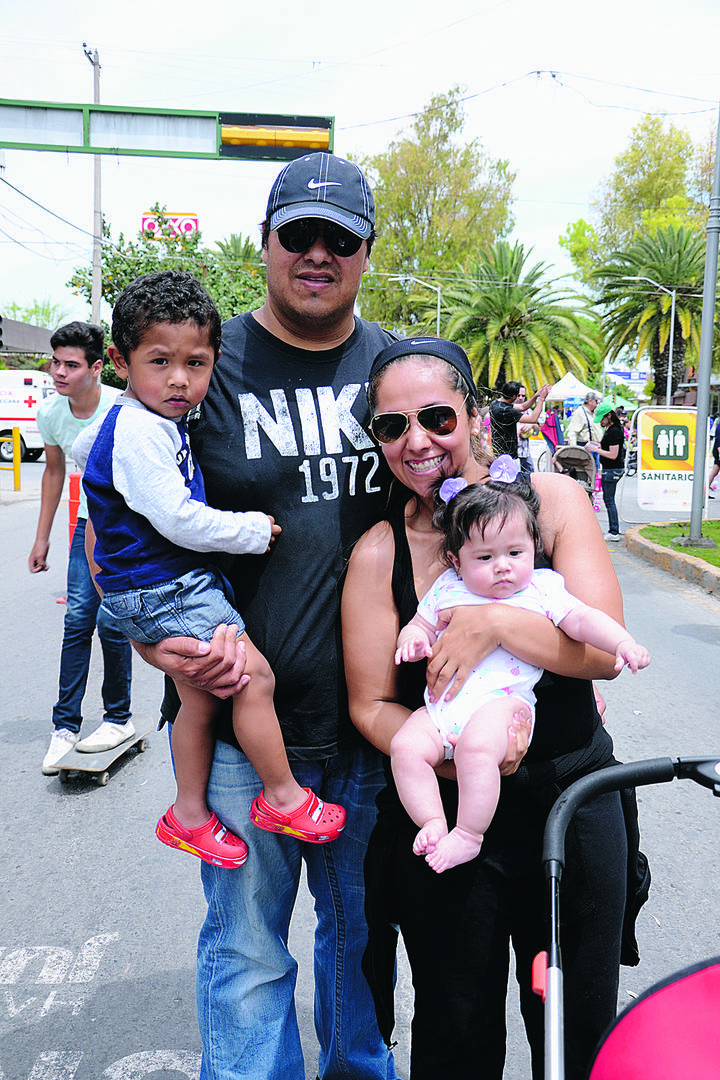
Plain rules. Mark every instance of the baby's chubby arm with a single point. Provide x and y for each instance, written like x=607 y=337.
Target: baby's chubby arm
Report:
x=415 y=640
x=596 y=628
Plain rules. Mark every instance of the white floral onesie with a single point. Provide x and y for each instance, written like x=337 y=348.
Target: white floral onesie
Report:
x=500 y=674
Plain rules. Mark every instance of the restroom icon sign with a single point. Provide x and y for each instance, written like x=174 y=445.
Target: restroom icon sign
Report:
x=671 y=442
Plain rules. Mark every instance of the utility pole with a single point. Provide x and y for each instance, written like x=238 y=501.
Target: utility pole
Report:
x=96 y=294
x=696 y=538
x=405 y=279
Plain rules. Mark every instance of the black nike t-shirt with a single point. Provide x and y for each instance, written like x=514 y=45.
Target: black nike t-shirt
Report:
x=284 y=430
x=504 y=420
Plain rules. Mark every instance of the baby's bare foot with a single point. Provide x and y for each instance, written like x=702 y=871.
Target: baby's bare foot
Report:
x=454 y=848
x=430 y=834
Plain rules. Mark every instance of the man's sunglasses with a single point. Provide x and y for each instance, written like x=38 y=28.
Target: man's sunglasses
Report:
x=441 y=420
x=298 y=236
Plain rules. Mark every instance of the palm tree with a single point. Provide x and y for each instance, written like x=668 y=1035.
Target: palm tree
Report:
x=514 y=321
x=636 y=292
x=242 y=250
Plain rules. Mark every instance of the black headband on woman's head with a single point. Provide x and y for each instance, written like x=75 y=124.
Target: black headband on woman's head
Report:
x=448 y=351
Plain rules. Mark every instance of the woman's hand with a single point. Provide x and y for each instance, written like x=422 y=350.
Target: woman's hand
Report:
x=471 y=635
x=519 y=734
x=217 y=665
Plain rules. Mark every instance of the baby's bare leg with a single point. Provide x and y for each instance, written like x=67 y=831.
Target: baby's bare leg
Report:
x=416 y=749
x=479 y=751
x=193 y=745
x=257 y=730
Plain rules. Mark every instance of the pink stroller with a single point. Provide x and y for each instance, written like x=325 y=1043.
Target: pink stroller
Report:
x=671 y=1032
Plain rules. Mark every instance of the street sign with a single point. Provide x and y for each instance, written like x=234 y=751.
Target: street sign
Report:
x=666 y=451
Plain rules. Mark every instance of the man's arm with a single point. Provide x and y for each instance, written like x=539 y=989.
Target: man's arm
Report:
x=53 y=479
x=217 y=666
x=529 y=416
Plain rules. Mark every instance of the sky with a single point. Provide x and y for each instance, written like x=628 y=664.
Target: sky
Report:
x=554 y=87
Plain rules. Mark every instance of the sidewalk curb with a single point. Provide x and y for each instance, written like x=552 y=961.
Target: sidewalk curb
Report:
x=688 y=567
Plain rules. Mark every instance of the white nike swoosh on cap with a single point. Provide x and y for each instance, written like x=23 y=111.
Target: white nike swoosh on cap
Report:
x=323 y=183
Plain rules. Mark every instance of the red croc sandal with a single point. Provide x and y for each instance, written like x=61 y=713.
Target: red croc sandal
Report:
x=211 y=842
x=314 y=820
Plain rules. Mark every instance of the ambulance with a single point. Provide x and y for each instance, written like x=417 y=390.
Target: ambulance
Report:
x=21 y=392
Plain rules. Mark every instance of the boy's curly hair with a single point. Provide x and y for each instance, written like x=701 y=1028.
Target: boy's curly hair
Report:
x=169 y=296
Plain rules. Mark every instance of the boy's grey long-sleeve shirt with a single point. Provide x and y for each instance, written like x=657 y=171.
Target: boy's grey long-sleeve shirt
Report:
x=146 y=500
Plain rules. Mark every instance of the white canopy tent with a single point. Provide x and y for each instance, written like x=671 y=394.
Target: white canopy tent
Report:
x=569 y=387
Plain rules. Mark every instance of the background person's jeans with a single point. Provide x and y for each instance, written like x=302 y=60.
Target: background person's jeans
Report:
x=82 y=614
x=609 y=481
x=246 y=975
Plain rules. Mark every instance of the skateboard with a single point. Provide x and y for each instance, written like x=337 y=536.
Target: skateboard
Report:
x=98 y=764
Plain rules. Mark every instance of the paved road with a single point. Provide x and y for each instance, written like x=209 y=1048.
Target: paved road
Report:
x=100 y=920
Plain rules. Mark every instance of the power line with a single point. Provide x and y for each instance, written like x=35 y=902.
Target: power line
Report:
x=45 y=208
x=558 y=77
x=19 y=243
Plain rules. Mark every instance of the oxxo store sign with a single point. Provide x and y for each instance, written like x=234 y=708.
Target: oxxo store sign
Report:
x=666 y=452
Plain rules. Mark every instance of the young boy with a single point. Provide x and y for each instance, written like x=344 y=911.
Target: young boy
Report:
x=147 y=504
x=80 y=398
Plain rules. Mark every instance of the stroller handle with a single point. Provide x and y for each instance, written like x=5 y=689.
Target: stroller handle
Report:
x=703 y=770
x=613 y=778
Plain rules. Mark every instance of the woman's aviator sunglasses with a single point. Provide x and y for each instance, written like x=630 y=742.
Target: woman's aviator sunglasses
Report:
x=441 y=420
x=298 y=236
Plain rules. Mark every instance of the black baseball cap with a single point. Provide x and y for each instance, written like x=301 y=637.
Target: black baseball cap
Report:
x=449 y=351
x=322 y=186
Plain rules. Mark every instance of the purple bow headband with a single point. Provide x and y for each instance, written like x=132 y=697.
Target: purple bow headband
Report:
x=450 y=488
x=504 y=470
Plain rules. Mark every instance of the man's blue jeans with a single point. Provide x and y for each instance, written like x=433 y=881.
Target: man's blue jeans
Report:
x=246 y=975
x=82 y=614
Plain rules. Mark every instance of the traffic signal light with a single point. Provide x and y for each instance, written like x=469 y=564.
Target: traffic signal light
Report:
x=271 y=137
x=120 y=129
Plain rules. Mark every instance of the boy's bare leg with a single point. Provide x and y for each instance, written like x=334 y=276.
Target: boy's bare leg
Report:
x=258 y=732
x=479 y=751
x=416 y=749
x=193 y=745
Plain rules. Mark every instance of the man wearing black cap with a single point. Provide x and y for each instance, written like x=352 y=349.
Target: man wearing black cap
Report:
x=507 y=411
x=283 y=429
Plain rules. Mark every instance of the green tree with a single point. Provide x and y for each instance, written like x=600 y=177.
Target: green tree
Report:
x=514 y=321
x=638 y=313
x=437 y=201
x=233 y=289
x=241 y=251
x=38 y=313
x=658 y=183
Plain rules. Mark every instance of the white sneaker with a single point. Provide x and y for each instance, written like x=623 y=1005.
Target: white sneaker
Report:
x=106 y=737
x=614 y=538
x=62 y=741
